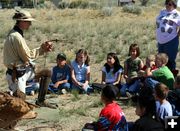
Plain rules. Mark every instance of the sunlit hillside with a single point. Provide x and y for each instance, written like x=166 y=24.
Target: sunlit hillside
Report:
x=102 y=30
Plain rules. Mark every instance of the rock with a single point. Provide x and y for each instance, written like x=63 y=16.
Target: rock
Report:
x=12 y=109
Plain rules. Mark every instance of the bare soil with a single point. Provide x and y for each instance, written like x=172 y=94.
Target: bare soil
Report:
x=73 y=112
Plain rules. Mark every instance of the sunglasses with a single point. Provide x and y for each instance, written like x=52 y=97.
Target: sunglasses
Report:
x=169 y=4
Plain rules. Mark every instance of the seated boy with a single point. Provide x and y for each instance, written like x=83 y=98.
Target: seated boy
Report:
x=60 y=75
x=163 y=107
x=162 y=74
x=111 y=117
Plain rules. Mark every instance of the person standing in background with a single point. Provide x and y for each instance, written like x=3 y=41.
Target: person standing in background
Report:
x=167 y=26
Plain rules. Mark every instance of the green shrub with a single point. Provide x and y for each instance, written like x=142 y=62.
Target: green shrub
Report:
x=94 y=5
x=84 y=4
x=144 y=2
x=106 y=11
x=63 y=5
x=74 y=4
x=132 y=9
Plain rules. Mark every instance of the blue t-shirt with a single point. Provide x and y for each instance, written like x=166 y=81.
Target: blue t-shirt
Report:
x=110 y=76
x=163 y=110
x=59 y=74
x=80 y=72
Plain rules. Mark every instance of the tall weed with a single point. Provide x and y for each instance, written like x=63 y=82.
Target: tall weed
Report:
x=132 y=9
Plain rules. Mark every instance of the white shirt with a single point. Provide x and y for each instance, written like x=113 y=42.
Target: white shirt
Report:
x=166 y=25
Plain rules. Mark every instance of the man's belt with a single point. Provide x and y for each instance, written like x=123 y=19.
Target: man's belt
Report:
x=17 y=71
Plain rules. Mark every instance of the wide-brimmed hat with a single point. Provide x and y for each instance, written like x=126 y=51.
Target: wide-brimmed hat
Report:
x=61 y=56
x=23 y=15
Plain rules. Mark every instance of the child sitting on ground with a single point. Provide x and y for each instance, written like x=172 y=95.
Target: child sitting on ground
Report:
x=150 y=62
x=80 y=72
x=60 y=75
x=132 y=66
x=112 y=70
x=162 y=74
x=146 y=110
x=163 y=107
x=174 y=97
x=111 y=117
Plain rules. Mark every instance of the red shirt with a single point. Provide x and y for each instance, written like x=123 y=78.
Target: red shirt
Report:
x=152 y=68
x=111 y=117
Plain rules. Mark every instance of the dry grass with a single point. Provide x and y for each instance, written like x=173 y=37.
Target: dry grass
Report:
x=72 y=114
x=93 y=30
x=86 y=28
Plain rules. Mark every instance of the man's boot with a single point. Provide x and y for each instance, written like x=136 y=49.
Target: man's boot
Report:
x=44 y=83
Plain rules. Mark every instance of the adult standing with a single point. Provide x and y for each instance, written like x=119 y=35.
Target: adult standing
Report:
x=18 y=57
x=168 y=23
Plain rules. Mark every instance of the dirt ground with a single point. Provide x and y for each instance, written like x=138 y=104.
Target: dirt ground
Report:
x=73 y=112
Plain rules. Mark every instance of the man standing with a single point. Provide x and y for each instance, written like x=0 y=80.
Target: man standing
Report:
x=18 y=57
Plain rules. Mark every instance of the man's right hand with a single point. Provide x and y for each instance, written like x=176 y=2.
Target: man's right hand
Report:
x=47 y=46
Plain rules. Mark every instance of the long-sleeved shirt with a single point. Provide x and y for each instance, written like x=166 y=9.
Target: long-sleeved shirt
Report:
x=16 y=52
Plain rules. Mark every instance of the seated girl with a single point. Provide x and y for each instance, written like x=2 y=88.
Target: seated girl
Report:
x=112 y=70
x=80 y=72
x=132 y=66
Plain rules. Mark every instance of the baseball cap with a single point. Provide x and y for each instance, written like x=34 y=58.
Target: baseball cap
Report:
x=61 y=56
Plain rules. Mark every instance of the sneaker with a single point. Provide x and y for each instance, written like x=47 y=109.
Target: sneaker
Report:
x=63 y=91
x=11 y=93
x=46 y=104
x=32 y=93
x=129 y=95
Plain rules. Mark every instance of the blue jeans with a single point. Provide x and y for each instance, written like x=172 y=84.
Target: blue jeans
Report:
x=150 y=82
x=133 y=88
x=66 y=86
x=32 y=87
x=171 y=49
x=87 y=89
